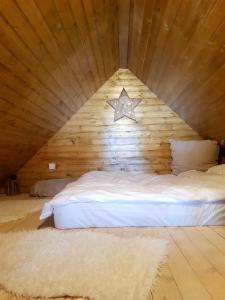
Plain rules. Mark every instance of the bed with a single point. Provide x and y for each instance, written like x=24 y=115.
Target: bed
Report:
x=120 y=199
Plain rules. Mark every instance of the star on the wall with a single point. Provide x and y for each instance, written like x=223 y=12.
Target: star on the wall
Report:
x=124 y=106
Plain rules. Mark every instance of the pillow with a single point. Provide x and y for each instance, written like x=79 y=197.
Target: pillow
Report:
x=217 y=170
x=193 y=155
x=50 y=187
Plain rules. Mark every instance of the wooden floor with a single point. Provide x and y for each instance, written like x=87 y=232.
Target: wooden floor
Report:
x=195 y=267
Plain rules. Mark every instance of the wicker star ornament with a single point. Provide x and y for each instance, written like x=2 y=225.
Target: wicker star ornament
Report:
x=124 y=106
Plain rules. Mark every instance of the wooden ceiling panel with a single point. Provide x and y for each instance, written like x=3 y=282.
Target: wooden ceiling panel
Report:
x=54 y=54
x=177 y=48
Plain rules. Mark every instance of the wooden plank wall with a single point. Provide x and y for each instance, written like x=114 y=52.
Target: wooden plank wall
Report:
x=92 y=141
x=54 y=54
x=177 y=48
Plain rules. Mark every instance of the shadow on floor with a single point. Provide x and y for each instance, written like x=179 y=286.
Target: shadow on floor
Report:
x=49 y=222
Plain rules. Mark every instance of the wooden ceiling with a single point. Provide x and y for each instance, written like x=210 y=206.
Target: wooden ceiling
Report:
x=54 y=54
x=177 y=48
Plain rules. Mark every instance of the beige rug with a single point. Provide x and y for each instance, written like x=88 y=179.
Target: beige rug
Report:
x=18 y=207
x=54 y=263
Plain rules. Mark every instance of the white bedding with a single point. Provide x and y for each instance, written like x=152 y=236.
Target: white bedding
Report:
x=128 y=188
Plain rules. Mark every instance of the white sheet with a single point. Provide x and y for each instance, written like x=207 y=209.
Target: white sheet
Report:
x=124 y=188
x=105 y=214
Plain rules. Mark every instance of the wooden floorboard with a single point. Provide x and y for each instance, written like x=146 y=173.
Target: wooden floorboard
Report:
x=207 y=274
x=219 y=230
x=194 y=268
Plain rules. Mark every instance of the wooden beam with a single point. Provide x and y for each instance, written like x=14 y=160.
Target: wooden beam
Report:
x=123 y=21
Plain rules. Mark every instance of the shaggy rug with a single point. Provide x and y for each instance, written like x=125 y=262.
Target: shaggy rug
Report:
x=18 y=208
x=54 y=263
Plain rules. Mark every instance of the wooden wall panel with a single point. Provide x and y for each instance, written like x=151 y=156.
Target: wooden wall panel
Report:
x=54 y=54
x=176 y=47
x=91 y=140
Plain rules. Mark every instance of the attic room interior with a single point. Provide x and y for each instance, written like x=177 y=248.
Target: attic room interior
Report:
x=112 y=143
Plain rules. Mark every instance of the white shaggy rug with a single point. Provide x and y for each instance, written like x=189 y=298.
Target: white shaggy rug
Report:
x=17 y=208
x=54 y=263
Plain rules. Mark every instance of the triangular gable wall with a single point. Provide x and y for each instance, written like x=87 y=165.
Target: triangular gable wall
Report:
x=91 y=140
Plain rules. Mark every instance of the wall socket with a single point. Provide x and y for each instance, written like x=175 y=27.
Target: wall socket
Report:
x=52 y=166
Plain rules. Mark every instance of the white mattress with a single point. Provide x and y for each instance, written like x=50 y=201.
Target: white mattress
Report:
x=151 y=214
x=117 y=199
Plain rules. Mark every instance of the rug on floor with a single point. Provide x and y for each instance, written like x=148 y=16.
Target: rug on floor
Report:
x=17 y=208
x=54 y=263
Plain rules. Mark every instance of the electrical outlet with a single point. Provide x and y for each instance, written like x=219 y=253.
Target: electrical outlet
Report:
x=52 y=166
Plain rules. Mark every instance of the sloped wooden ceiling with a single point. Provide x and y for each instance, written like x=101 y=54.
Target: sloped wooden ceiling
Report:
x=53 y=56
x=177 y=48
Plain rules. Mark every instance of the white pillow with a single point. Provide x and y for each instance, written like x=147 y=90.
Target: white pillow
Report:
x=197 y=155
x=217 y=170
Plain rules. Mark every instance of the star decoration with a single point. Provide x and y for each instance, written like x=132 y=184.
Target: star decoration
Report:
x=124 y=106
